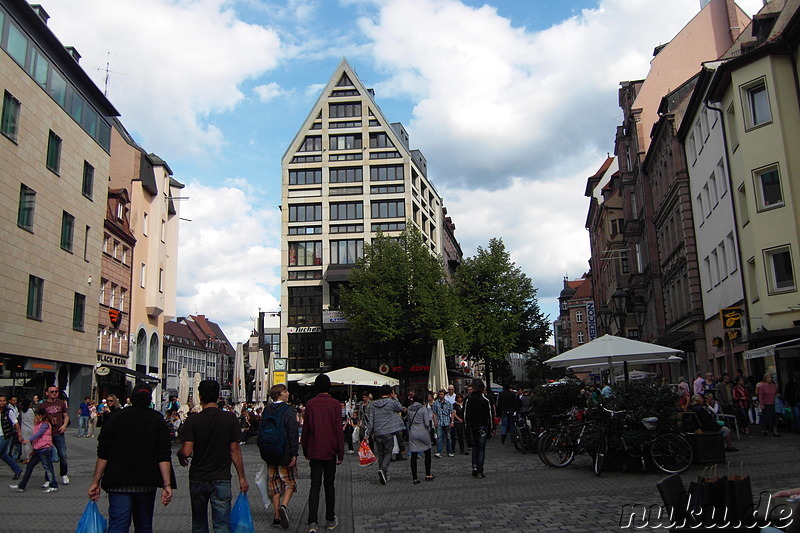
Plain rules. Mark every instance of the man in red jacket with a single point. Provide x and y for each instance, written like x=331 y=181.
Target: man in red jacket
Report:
x=323 y=446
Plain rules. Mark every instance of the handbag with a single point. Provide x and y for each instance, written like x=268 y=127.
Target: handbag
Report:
x=365 y=455
x=241 y=519
x=91 y=520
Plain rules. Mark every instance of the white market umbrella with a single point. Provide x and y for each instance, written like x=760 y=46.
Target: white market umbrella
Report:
x=634 y=375
x=195 y=393
x=437 y=375
x=354 y=376
x=610 y=349
x=652 y=360
x=261 y=383
x=238 y=390
x=183 y=392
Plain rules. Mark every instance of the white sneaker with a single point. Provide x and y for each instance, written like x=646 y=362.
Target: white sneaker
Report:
x=438 y=455
x=50 y=489
x=65 y=480
x=449 y=455
x=16 y=488
x=46 y=484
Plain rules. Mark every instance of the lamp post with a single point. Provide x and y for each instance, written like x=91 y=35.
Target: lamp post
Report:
x=604 y=314
x=639 y=313
x=619 y=301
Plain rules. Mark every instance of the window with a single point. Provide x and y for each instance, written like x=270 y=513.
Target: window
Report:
x=88 y=181
x=731 y=249
x=780 y=274
x=346 y=175
x=305 y=307
x=78 y=311
x=312 y=143
x=9 y=124
x=145 y=224
x=142 y=275
x=389 y=226
x=305 y=230
x=53 y=152
x=578 y=316
x=305 y=253
x=744 y=214
x=751 y=278
x=35 y=292
x=346 y=228
x=722 y=179
x=17 y=45
x=347 y=211
x=580 y=337
x=163 y=232
x=86 y=243
x=124 y=255
x=349 y=109
x=733 y=133
x=625 y=265
x=388 y=209
x=112 y=300
x=103 y=285
x=67 y=231
x=757 y=104
x=768 y=187
x=714 y=268
x=722 y=254
x=345 y=191
x=345 y=142
x=380 y=140
x=305 y=212
x=387 y=189
x=340 y=125
x=691 y=151
x=346 y=252
x=27 y=205
x=305 y=274
x=386 y=173
x=160 y=280
x=115 y=249
x=700 y=208
x=305 y=176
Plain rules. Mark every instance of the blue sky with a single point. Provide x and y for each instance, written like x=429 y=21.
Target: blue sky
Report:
x=514 y=104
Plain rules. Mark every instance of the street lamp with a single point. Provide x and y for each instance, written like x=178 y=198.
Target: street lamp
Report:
x=604 y=314
x=639 y=313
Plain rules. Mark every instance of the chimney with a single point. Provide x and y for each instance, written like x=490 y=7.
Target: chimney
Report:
x=74 y=53
x=39 y=10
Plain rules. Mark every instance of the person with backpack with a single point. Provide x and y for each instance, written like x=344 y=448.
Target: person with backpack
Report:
x=211 y=439
x=278 y=442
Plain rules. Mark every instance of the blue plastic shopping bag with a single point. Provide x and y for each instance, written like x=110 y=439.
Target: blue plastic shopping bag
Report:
x=91 y=520
x=241 y=519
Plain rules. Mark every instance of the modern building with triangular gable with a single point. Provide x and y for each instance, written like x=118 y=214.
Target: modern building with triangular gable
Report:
x=347 y=174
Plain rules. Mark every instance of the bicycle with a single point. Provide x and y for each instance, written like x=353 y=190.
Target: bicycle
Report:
x=670 y=452
x=558 y=447
x=522 y=434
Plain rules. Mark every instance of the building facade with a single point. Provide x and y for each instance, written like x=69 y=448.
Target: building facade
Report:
x=348 y=174
x=198 y=345
x=56 y=129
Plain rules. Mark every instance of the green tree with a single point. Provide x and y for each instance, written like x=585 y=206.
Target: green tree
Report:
x=537 y=371
x=499 y=311
x=397 y=302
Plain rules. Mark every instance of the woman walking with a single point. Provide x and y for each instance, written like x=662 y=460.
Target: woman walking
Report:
x=458 y=426
x=766 y=392
x=26 y=422
x=741 y=400
x=419 y=438
x=479 y=424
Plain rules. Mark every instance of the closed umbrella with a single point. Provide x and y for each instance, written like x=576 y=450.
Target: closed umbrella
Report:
x=238 y=390
x=195 y=393
x=437 y=375
x=183 y=392
x=261 y=386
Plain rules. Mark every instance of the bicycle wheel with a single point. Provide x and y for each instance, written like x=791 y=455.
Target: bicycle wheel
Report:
x=527 y=440
x=518 y=445
x=600 y=454
x=672 y=453
x=557 y=448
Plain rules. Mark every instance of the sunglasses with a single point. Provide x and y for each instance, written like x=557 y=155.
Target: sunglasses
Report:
x=52 y=391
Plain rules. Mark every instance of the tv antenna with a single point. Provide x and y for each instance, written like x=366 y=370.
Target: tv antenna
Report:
x=108 y=72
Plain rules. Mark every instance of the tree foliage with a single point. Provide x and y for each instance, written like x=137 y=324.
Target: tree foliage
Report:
x=499 y=311
x=397 y=300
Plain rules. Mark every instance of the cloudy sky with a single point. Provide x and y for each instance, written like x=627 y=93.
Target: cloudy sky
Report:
x=513 y=103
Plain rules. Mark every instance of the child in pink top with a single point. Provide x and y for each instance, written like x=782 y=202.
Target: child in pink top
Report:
x=42 y=441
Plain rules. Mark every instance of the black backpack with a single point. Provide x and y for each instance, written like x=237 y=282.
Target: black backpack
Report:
x=272 y=436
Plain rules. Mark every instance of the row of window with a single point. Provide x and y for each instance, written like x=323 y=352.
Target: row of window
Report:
x=26 y=210
x=313 y=176
x=721 y=262
x=347 y=228
x=107 y=338
x=36 y=297
x=116 y=295
x=309 y=253
x=31 y=58
x=116 y=250
x=346 y=141
x=715 y=187
x=347 y=211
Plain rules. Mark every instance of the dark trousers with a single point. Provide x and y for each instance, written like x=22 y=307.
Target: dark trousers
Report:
x=479 y=437
x=458 y=436
x=768 y=418
x=414 y=456
x=124 y=506
x=320 y=469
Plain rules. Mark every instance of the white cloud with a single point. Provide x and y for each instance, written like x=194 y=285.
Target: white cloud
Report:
x=229 y=258
x=174 y=63
x=268 y=92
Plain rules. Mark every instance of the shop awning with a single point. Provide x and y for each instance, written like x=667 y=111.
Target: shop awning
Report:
x=765 y=351
x=138 y=376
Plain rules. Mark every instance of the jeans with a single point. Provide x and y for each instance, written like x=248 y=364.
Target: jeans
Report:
x=42 y=456
x=60 y=444
x=4 y=454
x=443 y=434
x=83 y=426
x=383 y=448
x=479 y=437
x=122 y=506
x=219 y=494
x=326 y=468
x=507 y=422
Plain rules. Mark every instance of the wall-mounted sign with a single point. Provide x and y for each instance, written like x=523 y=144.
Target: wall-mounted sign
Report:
x=102 y=371
x=731 y=317
x=304 y=329
x=278 y=377
x=333 y=317
x=591 y=319
x=115 y=316
x=37 y=365
x=383 y=369
x=112 y=359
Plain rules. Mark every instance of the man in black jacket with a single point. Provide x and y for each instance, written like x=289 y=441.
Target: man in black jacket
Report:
x=507 y=404
x=283 y=473
x=133 y=460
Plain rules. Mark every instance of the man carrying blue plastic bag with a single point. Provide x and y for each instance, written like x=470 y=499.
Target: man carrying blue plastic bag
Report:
x=211 y=438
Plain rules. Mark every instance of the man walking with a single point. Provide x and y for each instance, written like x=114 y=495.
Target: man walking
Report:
x=211 y=438
x=59 y=415
x=133 y=460
x=384 y=421
x=8 y=435
x=323 y=446
x=84 y=412
x=507 y=405
x=443 y=422
x=279 y=449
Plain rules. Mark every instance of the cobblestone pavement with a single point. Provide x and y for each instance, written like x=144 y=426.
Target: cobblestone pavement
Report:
x=518 y=494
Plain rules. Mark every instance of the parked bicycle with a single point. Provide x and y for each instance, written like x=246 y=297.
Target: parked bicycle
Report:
x=558 y=447
x=671 y=452
x=523 y=433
